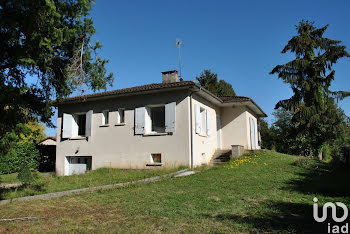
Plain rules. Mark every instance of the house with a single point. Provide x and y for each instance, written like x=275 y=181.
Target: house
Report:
x=169 y=124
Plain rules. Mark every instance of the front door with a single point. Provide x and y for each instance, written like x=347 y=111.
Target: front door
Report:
x=218 y=131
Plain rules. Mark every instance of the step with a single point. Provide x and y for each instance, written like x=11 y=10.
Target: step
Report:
x=220 y=157
x=223 y=151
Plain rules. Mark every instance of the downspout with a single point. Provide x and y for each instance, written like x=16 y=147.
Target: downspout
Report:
x=191 y=124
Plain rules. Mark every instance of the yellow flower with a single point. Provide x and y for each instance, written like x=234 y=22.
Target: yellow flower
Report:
x=265 y=163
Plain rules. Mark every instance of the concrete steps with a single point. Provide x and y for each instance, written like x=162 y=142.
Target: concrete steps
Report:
x=220 y=157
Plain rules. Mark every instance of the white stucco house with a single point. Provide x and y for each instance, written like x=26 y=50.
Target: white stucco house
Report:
x=169 y=124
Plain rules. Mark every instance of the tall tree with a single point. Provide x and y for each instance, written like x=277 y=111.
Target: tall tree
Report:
x=46 y=52
x=310 y=76
x=209 y=80
x=267 y=140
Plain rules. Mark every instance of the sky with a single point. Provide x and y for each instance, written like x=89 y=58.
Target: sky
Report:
x=241 y=41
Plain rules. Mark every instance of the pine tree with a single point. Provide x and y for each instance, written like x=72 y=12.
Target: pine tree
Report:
x=310 y=76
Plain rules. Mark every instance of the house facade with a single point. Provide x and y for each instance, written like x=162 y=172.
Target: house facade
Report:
x=169 y=124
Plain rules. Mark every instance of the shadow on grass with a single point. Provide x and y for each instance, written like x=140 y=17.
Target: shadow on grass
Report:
x=325 y=179
x=25 y=190
x=276 y=217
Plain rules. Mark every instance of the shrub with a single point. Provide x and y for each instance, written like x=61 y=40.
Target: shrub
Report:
x=303 y=161
x=23 y=154
x=27 y=176
x=326 y=152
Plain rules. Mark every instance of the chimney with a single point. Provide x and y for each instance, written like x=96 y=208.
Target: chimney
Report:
x=170 y=76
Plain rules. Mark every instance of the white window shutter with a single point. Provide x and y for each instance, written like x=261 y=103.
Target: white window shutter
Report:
x=198 y=119
x=256 y=133
x=148 y=120
x=88 y=123
x=208 y=122
x=140 y=120
x=67 y=125
x=252 y=136
x=118 y=116
x=170 y=117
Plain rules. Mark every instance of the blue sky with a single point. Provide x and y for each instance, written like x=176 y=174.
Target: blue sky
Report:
x=241 y=41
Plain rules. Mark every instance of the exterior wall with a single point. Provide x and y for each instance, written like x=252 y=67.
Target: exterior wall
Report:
x=204 y=146
x=236 y=127
x=118 y=146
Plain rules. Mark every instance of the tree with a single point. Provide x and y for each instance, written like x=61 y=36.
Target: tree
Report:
x=36 y=133
x=310 y=75
x=284 y=134
x=267 y=141
x=209 y=81
x=46 y=52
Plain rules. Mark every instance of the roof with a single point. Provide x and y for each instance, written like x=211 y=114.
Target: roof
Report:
x=47 y=139
x=234 y=98
x=148 y=87
x=158 y=86
x=52 y=138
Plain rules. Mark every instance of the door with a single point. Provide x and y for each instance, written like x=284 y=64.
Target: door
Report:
x=78 y=165
x=218 y=131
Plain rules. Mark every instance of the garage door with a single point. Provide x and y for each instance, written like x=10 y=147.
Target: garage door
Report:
x=78 y=165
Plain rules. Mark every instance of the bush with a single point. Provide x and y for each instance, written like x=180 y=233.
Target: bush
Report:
x=27 y=176
x=303 y=161
x=326 y=152
x=23 y=154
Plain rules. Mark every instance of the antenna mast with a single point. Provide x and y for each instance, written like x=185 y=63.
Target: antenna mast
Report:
x=178 y=45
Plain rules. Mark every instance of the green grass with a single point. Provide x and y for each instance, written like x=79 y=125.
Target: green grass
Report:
x=9 y=178
x=48 y=182
x=267 y=193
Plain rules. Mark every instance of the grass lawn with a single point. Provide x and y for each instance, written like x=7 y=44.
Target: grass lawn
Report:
x=266 y=193
x=9 y=178
x=48 y=182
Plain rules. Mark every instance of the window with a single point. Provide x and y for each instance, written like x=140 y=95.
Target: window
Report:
x=78 y=124
x=203 y=121
x=81 y=121
x=105 y=117
x=157 y=158
x=121 y=114
x=157 y=119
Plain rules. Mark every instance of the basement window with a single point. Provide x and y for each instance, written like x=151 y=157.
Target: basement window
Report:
x=156 y=158
x=81 y=120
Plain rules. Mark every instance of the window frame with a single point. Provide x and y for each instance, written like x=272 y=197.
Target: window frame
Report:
x=121 y=116
x=76 y=119
x=105 y=118
x=203 y=123
x=149 y=122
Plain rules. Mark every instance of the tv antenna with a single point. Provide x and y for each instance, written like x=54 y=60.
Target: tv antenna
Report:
x=178 y=45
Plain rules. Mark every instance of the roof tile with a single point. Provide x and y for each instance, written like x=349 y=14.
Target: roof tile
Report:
x=136 y=89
